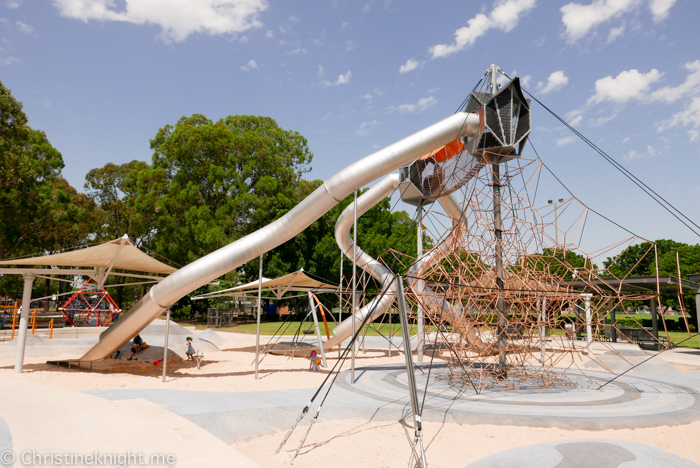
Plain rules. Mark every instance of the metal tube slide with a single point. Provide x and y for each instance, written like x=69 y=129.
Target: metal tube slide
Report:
x=335 y=189
x=380 y=304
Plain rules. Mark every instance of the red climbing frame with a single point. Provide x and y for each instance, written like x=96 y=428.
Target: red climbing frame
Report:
x=90 y=307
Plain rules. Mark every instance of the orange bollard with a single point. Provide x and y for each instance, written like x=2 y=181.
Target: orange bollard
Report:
x=51 y=329
x=34 y=321
x=14 y=321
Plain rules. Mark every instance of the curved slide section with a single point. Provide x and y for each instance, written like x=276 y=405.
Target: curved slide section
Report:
x=379 y=304
x=335 y=189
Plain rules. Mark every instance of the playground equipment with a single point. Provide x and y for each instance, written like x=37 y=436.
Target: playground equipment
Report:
x=335 y=189
x=91 y=305
x=494 y=275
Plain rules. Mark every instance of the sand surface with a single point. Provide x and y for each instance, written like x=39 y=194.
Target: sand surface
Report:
x=384 y=444
x=229 y=370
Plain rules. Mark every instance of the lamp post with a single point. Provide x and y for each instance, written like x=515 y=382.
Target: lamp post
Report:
x=556 y=219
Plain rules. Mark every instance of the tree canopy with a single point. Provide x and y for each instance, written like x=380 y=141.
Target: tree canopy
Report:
x=33 y=198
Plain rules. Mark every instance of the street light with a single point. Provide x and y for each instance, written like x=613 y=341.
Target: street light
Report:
x=556 y=218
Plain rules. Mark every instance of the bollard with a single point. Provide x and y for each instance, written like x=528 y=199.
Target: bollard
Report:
x=14 y=321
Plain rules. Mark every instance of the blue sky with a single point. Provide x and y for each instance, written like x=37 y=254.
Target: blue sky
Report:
x=101 y=76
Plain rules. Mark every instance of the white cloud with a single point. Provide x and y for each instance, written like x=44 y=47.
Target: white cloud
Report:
x=8 y=60
x=420 y=106
x=577 y=120
x=13 y=4
x=243 y=39
x=690 y=86
x=628 y=85
x=566 y=140
x=25 y=28
x=556 y=81
x=615 y=33
x=178 y=19
x=342 y=79
x=601 y=120
x=694 y=134
x=504 y=16
x=270 y=34
x=581 y=20
x=660 y=8
x=525 y=81
x=282 y=30
x=433 y=90
x=367 y=96
x=411 y=64
x=649 y=153
x=632 y=85
x=366 y=127
x=297 y=52
x=320 y=71
x=249 y=66
x=688 y=116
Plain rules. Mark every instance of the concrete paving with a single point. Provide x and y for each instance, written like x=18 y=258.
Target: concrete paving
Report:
x=590 y=453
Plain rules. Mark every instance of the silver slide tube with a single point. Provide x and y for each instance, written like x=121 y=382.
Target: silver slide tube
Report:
x=380 y=304
x=227 y=258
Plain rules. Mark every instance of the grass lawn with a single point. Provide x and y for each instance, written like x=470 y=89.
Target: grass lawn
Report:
x=269 y=328
x=677 y=337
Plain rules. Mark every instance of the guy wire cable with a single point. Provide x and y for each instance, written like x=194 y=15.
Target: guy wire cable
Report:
x=340 y=361
x=634 y=179
x=649 y=358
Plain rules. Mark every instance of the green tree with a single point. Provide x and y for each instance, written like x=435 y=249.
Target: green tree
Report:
x=113 y=189
x=556 y=262
x=640 y=260
x=212 y=183
x=30 y=199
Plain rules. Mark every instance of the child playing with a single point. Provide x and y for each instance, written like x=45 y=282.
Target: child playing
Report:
x=190 y=349
x=315 y=361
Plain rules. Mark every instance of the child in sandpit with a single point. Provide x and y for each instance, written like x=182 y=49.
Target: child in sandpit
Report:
x=190 y=349
x=315 y=361
x=137 y=346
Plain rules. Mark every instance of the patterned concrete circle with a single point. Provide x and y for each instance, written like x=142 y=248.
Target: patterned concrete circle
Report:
x=595 y=453
x=628 y=402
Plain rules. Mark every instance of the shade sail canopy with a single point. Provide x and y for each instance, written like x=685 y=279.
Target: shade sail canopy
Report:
x=120 y=254
x=293 y=282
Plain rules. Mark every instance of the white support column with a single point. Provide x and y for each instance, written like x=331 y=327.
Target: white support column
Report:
x=318 y=330
x=697 y=311
x=354 y=293
x=340 y=290
x=24 y=320
x=589 y=330
x=165 y=346
x=543 y=317
x=420 y=319
x=257 y=330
